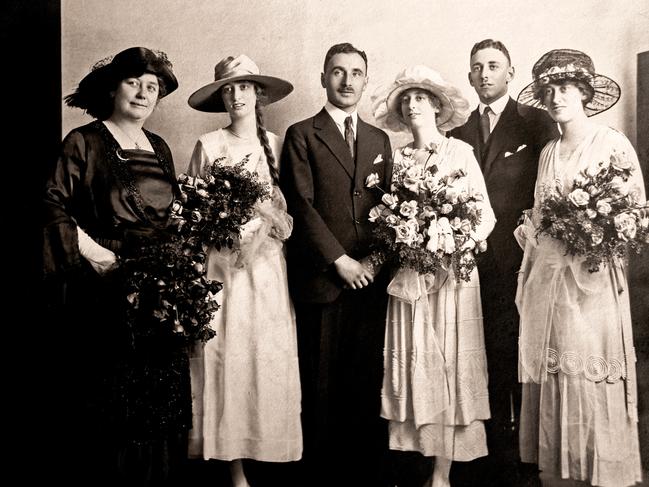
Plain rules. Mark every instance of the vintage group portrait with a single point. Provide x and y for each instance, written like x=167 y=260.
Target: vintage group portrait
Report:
x=335 y=243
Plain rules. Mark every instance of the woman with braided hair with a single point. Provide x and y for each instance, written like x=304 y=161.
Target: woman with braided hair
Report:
x=246 y=384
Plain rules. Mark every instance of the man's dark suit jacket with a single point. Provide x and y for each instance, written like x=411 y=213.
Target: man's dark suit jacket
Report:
x=509 y=163
x=329 y=201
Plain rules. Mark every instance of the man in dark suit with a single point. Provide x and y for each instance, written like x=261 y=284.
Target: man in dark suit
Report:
x=507 y=138
x=340 y=310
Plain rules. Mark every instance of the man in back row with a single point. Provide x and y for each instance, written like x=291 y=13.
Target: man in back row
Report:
x=507 y=138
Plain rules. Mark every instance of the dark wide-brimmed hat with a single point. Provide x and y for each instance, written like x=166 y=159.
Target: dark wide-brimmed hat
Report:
x=454 y=108
x=569 y=64
x=105 y=74
x=240 y=68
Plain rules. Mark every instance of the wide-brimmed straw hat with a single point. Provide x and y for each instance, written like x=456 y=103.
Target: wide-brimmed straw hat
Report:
x=240 y=68
x=105 y=74
x=569 y=64
x=454 y=108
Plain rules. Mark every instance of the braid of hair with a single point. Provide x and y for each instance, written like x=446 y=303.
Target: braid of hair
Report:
x=263 y=138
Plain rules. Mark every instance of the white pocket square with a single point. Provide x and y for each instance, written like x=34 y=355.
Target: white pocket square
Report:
x=520 y=148
x=378 y=159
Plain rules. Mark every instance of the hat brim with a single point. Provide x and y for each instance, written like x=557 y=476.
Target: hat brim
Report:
x=454 y=108
x=204 y=100
x=606 y=92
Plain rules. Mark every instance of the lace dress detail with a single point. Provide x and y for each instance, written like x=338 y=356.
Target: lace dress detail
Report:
x=577 y=360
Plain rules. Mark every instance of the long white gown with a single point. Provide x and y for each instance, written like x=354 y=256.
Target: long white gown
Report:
x=577 y=361
x=435 y=370
x=245 y=381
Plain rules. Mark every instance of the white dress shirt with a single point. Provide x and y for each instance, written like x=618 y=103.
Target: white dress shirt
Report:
x=339 y=117
x=497 y=108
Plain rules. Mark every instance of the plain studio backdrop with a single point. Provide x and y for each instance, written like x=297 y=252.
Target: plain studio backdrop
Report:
x=289 y=38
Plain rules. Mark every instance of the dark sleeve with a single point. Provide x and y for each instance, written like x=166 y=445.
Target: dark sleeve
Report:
x=60 y=242
x=544 y=127
x=387 y=157
x=311 y=233
x=165 y=156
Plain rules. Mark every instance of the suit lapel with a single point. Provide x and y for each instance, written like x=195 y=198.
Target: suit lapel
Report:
x=366 y=148
x=500 y=135
x=472 y=134
x=330 y=136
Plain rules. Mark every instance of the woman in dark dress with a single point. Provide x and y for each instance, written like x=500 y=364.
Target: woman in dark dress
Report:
x=108 y=194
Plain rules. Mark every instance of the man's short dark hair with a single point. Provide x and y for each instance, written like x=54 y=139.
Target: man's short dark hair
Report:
x=487 y=43
x=345 y=48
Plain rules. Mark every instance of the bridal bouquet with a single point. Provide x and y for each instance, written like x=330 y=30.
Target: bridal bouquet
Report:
x=427 y=221
x=213 y=208
x=599 y=217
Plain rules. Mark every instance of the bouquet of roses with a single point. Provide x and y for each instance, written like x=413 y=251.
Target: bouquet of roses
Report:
x=600 y=217
x=427 y=221
x=213 y=208
x=168 y=291
x=166 y=283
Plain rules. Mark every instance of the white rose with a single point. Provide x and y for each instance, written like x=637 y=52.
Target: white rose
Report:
x=375 y=214
x=626 y=227
x=413 y=179
x=603 y=207
x=579 y=197
x=592 y=171
x=465 y=227
x=427 y=211
x=390 y=200
x=446 y=209
x=620 y=161
x=372 y=180
x=408 y=208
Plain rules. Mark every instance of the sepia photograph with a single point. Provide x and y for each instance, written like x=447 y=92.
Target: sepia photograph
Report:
x=341 y=243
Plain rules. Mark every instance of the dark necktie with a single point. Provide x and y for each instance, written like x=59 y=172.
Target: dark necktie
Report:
x=484 y=125
x=349 y=135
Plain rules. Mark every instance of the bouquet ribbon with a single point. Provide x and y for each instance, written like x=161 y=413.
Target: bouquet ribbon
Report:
x=546 y=270
x=409 y=285
x=428 y=365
